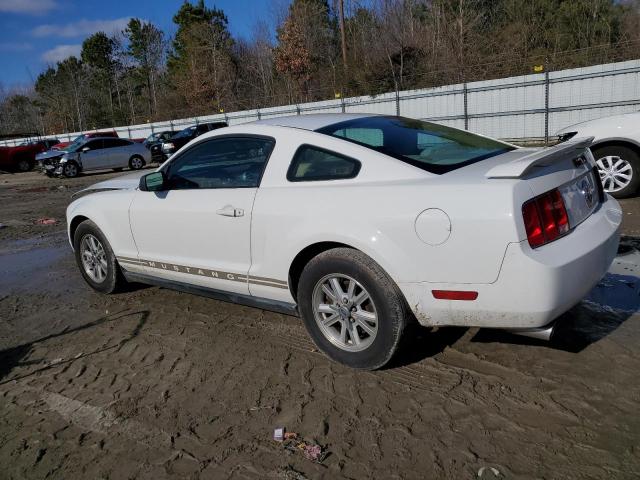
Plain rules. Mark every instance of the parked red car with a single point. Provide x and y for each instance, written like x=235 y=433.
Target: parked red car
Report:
x=23 y=157
x=84 y=136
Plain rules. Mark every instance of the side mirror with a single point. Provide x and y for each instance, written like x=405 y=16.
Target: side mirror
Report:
x=153 y=182
x=86 y=149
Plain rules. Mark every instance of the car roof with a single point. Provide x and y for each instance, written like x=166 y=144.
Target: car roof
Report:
x=313 y=121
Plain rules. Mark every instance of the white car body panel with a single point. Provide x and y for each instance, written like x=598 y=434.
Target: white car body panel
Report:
x=194 y=235
x=625 y=127
x=485 y=249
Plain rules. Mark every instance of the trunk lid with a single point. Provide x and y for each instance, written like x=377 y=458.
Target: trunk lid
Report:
x=568 y=167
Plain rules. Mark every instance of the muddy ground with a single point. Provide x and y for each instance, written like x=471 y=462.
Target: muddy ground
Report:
x=155 y=384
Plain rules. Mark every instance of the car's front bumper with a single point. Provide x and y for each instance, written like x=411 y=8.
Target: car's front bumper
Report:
x=534 y=286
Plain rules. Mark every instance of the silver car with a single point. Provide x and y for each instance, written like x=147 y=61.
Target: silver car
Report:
x=94 y=154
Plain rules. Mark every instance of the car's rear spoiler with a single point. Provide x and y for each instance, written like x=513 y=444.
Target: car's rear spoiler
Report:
x=546 y=156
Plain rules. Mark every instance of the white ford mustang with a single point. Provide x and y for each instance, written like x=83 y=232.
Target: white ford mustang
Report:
x=360 y=224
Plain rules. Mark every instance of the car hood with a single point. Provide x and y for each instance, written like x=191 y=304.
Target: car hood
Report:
x=129 y=181
x=49 y=154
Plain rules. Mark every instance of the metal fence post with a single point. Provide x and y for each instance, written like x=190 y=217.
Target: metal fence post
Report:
x=466 y=106
x=397 y=101
x=342 y=105
x=546 y=107
x=297 y=109
x=258 y=112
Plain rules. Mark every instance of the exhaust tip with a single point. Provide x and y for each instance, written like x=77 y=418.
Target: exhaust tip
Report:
x=542 y=333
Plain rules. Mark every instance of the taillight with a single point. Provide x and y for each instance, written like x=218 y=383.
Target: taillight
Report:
x=545 y=218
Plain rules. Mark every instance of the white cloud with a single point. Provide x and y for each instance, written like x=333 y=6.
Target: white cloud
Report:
x=80 y=28
x=32 y=7
x=61 y=52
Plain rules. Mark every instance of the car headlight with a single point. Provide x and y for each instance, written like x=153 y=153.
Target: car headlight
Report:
x=563 y=137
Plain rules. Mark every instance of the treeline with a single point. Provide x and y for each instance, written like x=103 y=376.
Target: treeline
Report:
x=141 y=75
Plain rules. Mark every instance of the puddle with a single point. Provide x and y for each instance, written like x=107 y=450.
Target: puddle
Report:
x=25 y=269
x=619 y=290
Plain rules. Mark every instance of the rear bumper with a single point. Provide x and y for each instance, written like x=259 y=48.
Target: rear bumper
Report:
x=534 y=286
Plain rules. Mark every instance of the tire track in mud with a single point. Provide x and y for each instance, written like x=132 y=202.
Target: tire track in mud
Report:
x=419 y=376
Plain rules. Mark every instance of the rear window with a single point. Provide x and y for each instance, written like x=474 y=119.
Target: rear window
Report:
x=429 y=146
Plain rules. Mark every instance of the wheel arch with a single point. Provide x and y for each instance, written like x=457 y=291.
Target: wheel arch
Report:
x=310 y=251
x=616 y=142
x=304 y=256
x=73 y=226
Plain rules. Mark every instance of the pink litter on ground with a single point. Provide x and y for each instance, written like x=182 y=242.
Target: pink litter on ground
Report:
x=313 y=452
x=46 y=221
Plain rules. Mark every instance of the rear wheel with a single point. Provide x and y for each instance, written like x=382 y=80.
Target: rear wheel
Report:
x=95 y=259
x=24 y=165
x=70 y=169
x=352 y=309
x=136 y=162
x=619 y=169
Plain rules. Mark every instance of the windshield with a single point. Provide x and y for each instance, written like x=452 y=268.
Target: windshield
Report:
x=187 y=132
x=75 y=146
x=154 y=137
x=429 y=146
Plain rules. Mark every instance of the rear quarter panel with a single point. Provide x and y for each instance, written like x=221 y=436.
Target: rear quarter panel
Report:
x=376 y=213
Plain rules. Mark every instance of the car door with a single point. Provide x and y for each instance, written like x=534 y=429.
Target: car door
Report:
x=91 y=159
x=197 y=231
x=117 y=152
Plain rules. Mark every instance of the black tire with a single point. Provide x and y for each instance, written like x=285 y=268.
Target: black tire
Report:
x=628 y=155
x=390 y=306
x=24 y=165
x=71 y=170
x=114 y=280
x=136 y=162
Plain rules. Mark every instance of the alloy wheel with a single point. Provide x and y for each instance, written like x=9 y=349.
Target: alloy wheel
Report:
x=136 y=163
x=94 y=258
x=615 y=173
x=345 y=312
x=70 y=170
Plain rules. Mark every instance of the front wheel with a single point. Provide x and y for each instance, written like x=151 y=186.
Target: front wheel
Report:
x=136 y=162
x=619 y=169
x=353 y=310
x=95 y=259
x=70 y=169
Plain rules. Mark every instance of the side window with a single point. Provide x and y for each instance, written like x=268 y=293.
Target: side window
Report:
x=111 y=142
x=221 y=163
x=94 y=145
x=313 y=163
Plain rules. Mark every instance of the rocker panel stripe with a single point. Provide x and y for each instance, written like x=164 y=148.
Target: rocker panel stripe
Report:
x=205 y=272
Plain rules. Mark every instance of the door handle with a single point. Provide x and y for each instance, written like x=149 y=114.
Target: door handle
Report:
x=230 y=211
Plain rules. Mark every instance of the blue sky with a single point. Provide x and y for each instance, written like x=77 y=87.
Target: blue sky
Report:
x=35 y=33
